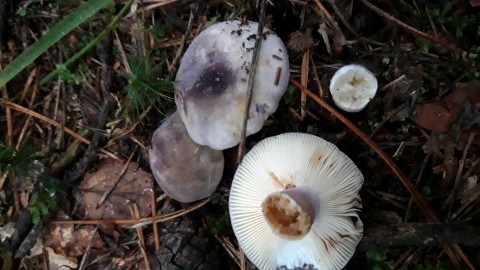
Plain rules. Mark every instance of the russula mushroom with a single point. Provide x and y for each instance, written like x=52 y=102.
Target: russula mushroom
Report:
x=294 y=202
x=352 y=87
x=211 y=82
x=184 y=170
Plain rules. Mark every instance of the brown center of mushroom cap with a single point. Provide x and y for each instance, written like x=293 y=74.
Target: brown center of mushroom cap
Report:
x=290 y=213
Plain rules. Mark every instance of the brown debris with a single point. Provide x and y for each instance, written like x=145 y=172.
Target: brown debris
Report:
x=439 y=116
x=71 y=241
x=135 y=186
x=299 y=43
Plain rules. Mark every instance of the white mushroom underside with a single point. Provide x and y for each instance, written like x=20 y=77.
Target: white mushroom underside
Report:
x=352 y=87
x=301 y=160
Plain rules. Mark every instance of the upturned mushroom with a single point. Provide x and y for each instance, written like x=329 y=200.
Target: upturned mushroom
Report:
x=294 y=202
x=211 y=82
x=352 y=87
x=184 y=170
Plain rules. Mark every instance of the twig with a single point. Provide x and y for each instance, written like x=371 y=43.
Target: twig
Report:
x=409 y=28
x=30 y=104
x=327 y=14
x=422 y=203
x=33 y=74
x=77 y=136
x=104 y=82
x=229 y=248
x=156 y=235
x=141 y=239
x=178 y=54
x=110 y=190
x=417 y=181
x=344 y=21
x=137 y=221
x=304 y=82
x=8 y=115
x=321 y=93
x=458 y=177
x=83 y=263
x=419 y=234
x=251 y=79
x=159 y=3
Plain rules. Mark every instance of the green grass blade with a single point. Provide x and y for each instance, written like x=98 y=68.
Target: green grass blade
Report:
x=90 y=45
x=59 y=30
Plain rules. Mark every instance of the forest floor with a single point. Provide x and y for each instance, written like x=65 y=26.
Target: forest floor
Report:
x=84 y=84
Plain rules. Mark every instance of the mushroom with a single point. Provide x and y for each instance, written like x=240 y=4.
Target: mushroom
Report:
x=211 y=82
x=352 y=87
x=294 y=202
x=184 y=170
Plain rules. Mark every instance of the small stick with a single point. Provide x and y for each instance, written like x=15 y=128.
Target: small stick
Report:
x=110 y=190
x=77 y=136
x=321 y=93
x=29 y=118
x=229 y=248
x=178 y=55
x=33 y=74
x=156 y=235
x=456 y=184
x=140 y=221
x=83 y=262
x=327 y=14
x=251 y=78
x=141 y=239
x=419 y=177
x=409 y=28
x=304 y=82
x=8 y=114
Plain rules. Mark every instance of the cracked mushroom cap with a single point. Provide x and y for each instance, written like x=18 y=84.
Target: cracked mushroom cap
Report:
x=211 y=82
x=294 y=202
x=185 y=170
x=352 y=87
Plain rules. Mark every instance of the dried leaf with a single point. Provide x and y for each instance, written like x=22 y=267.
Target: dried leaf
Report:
x=59 y=261
x=65 y=239
x=475 y=3
x=459 y=108
x=135 y=185
x=432 y=116
x=6 y=231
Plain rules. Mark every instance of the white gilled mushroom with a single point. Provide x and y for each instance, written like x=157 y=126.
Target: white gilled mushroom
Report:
x=294 y=202
x=184 y=170
x=211 y=82
x=352 y=87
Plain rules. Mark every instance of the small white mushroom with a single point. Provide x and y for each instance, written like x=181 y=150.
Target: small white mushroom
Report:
x=352 y=87
x=184 y=170
x=211 y=82
x=294 y=202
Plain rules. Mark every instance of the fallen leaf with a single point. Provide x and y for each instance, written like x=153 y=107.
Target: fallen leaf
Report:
x=475 y=3
x=59 y=261
x=72 y=242
x=6 y=231
x=432 y=116
x=135 y=185
x=460 y=107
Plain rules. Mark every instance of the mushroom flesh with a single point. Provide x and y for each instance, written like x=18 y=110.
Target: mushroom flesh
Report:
x=352 y=87
x=185 y=170
x=211 y=82
x=294 y=204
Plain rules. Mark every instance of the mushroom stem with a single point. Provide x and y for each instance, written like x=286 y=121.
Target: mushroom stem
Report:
x=291 y=212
